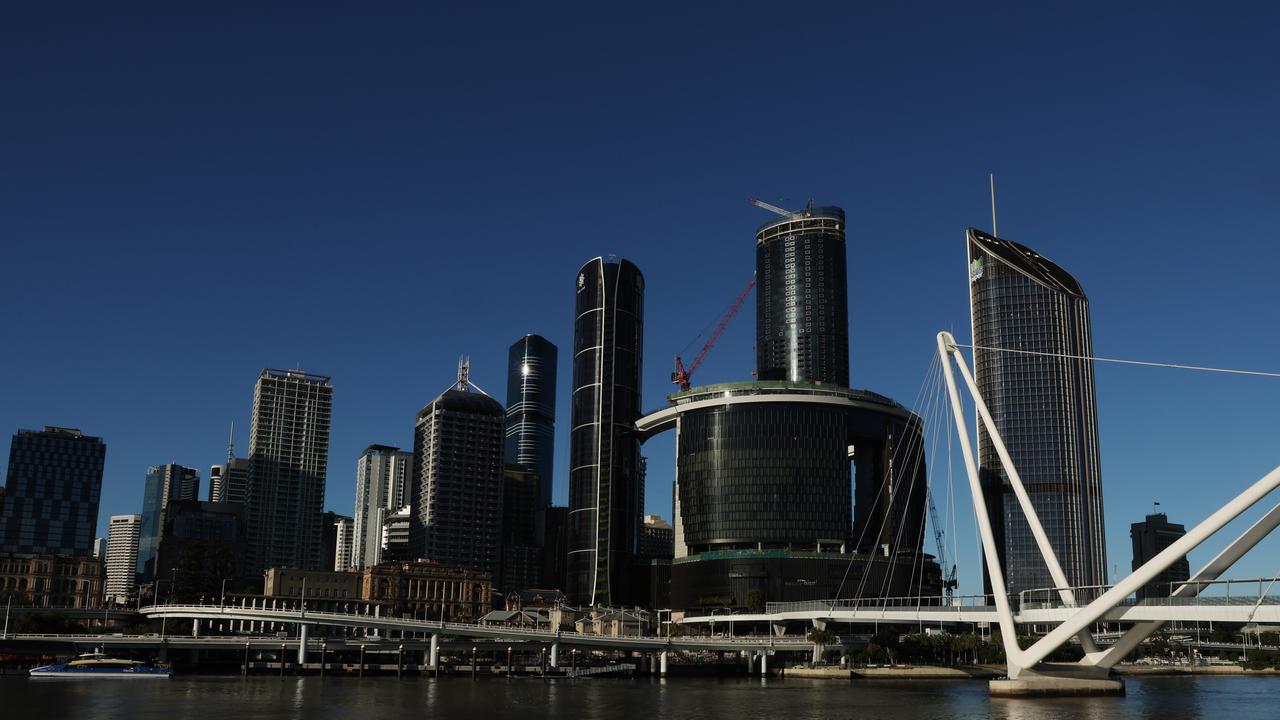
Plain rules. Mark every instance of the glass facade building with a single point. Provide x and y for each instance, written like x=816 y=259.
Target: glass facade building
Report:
x=288 y=467
x=1043 y=405
x=1150 y=537
x=531 y=417
x=802 y=303
x=605 y=492
x=165 y=484
x=50 y=500
x=766 y=498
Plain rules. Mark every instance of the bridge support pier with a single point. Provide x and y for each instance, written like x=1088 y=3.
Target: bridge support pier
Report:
x=555 y=655
x=764 y=663
x=435 y=652
x=1059 y=679
x=304 y=634
x=662 y=664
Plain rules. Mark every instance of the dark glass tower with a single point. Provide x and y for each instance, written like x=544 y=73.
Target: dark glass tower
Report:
x=50 y=499
x=288 y=465
x=531 y=414
x=605 y=498
x=1043 y=406
x=165 y=484
x=1150 y=538
x=802 y=303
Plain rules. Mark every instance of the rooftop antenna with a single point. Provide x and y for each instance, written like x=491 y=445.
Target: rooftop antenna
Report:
x=992 y=178
x=464 y=376
x=464 y=373
x=231 y=448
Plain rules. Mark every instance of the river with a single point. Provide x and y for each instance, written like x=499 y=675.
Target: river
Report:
x=314 y=698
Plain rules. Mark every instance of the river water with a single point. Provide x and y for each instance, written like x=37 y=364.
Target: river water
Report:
x=314 y=698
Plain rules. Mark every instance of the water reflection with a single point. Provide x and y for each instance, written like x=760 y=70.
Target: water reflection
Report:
x=462 y=698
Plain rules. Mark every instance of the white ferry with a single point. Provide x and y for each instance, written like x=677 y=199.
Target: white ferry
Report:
x=97 y=665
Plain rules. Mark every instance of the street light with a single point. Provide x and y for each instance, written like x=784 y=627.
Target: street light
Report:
x=223 y=600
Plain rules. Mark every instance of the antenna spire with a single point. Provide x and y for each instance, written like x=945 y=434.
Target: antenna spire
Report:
x=992 y=178
x=231 y=446
x=464 y=373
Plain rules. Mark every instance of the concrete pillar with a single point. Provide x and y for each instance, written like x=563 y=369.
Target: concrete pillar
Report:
x=435 y=651
x=662 y=664
x=749 y=655
x=817 y=653
x=195 y=628
x=555 y=655
x=304 y=634
x=764 y=663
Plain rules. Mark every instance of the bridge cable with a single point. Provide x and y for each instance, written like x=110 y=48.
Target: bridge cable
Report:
x=1143 y=363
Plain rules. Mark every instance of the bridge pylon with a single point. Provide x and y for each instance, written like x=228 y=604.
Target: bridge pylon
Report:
x=1028 y=673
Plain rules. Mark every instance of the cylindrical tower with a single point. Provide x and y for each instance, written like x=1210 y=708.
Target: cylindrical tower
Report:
x=531 y=410
x=802 y=304
x=605 y=496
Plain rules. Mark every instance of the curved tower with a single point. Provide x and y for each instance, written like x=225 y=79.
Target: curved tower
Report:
x=605 y=492
x=1043 y=407
x=531 y=410
x=802 y=300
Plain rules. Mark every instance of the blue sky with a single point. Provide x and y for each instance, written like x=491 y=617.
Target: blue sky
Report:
x=190 y=193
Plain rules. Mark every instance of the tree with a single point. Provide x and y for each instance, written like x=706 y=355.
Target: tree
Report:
x=755 y=600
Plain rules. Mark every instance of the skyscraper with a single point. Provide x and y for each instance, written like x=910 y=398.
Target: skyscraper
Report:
x=288 y=463
x=165 y=484
x=1042 y=400
x=50 y=500
x=802 y=305
x=229 y=482
x=456 y=486
x=605 y=500
x=531 y=415
x=521 y=552
x=1150 y=537
x=381 y=481
x=122 y=557
x=343 y=540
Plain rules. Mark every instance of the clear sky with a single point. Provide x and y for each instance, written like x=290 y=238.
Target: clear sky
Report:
x=191 y=192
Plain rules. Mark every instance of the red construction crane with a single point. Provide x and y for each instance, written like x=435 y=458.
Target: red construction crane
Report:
x=682 y=375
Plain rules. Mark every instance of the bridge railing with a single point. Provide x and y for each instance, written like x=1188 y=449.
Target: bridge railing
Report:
x=929 y=603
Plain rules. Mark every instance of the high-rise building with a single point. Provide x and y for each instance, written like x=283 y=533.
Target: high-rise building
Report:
x=343 y=540
x=456 y=487
x=1041 y=397
x=100 y=548
x=50 y=500
x=763 y=508
x=165 y=484
x=395 y=536
x=229 y=482
x=521 y=552
x=657 y=538
x=381 y=489
x=605 y=499
x=288 y=464
x=802 y=306
x=122 y=557
x=1150 y=538
x=201 y=550
x=531 y=416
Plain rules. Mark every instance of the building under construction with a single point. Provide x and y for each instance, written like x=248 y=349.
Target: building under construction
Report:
x=795 y=486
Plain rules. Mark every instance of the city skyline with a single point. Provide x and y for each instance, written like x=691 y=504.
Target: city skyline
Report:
x=1161 y=205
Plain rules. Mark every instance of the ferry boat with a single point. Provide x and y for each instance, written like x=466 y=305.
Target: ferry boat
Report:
x=98 y=665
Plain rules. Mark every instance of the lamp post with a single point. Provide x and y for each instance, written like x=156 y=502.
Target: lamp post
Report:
x=8 y=604
x=223 y=599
